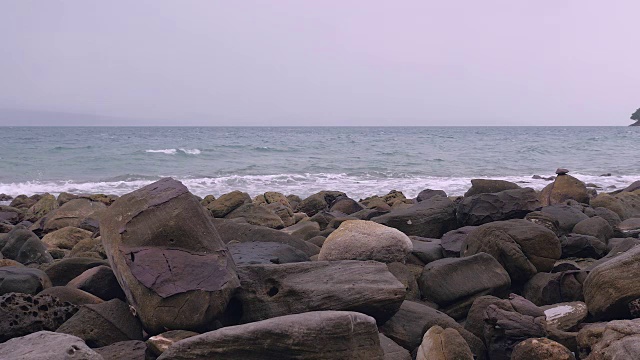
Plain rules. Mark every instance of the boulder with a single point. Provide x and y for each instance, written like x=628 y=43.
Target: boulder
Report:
x=551 y=288
x=161 y=342
x=88 y=248
x=594 y=226
x=25 y=247
x=124 y=350
x=566 y=316
x=99 y=281
x=453 y=240
x=22 y=314
x=285 y=213
x=346 y=206
x=443 y=344
x=427 y=194
x=47 y=345
x=508 y=204
x=487 y=186
x=63 y=271
x=430 y=218
x=456 y=282
x=65 y=197
x=563 y=188
x=393 y=351
x=566 y=215
x=257 y=215
x=318 y=202
x=619 y=339
x=522 y=248
x=541 y=349
x=274 y=290
x=265 y=253
x=366 y=240
x=629 y=227
x=582 y=246
x=505 y=327
x=635 y=186
x=304 y=229
x=546 y=220
x=426 y=250
x=21 y=279
x=612 y=218
x=11 y=214
x=72 y=213
x=272 y=197
x=625 y=204
x=45 y=205
x=404 y=274
x=103 y=324
x=226 y=203
x=71 y=295
x=65 y=238
x=314 y=335
x=24 y=202
x=412 y=321
x=230 y=231
x=166 y=254
x=611 y=286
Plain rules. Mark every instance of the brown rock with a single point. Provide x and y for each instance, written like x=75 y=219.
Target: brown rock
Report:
x=541 y=349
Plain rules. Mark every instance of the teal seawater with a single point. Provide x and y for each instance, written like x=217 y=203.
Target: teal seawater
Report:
x=361 y=161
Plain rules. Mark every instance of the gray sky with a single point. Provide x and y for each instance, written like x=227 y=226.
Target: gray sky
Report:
x=303 y=62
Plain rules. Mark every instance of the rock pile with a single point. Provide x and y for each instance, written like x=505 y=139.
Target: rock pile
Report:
x=503 y=272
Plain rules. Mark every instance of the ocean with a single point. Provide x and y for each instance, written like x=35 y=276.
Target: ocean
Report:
x=361 y=161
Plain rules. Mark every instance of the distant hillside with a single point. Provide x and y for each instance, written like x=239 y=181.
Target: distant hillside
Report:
x=19 y=117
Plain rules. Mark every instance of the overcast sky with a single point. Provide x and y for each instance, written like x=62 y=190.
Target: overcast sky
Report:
x=304 y=62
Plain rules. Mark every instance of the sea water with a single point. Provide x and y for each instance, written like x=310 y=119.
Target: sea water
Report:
x=361 y=161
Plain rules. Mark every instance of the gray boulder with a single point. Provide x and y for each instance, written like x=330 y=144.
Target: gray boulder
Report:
x=566 y=215
x=274 y=290
x=319 y=201
x=594 y=226
x=430 y=218
x=314 y=336
x=22 y=280
x=23 y=246
x=257 y=215
x=265 y=253
x=488 y=186
x=582 y=246
x=439 y=343
x=619 y=339
x=72 y=213
x=226 y=203
x=47 y=345
x=173 y=267
x=508 y=204
x=453 y=240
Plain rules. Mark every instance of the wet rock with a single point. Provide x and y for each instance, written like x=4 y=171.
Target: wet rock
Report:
x=103 y=324
x=5 y=197
x=304 y=229
x=521 y=247
x=404 y=274
x=456 y=282
x=346 y=206
x=161 y=342
x=99 y=281
x=612 y=218
x=564 y=187
x=285 y=213
x=47 y=345
x=275 y=290
x=173 y=267
x=562 y=171
x=313 y=335
x=65 y=238
x=11 y=214
x=546 y=220
x=22 y=314
x=25 y=247
x=551 y=288
x=566 y=215
x=366 y=240
x=629 y=227
x=612 y=285
x=618 y=339
x=265 y=253
x=508 y=204
x=487 y=186
x=625 y=204
x=426 y=250
x=62 y=271
x=88 y=248
x=430 y=218
x=541 y=349
x=22 y=280
x=45 y=205
x=428 y=194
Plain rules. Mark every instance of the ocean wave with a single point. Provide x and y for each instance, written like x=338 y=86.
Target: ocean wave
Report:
x=176 y=151
x=61 y=148
x=356 y=186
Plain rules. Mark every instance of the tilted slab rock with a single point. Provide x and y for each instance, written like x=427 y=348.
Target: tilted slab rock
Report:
x=321 y=335
x=47 y=345
x=508 y=204
x=166 y=254
x=430 y=218
x=275 y=290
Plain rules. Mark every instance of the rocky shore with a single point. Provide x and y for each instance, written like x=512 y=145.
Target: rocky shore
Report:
x=503 y=272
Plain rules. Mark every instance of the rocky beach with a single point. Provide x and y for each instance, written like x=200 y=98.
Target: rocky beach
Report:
x=503 y=272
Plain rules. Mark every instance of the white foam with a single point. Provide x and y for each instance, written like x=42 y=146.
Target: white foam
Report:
x=190 y=151
x=164 y=151
x=357 y=187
